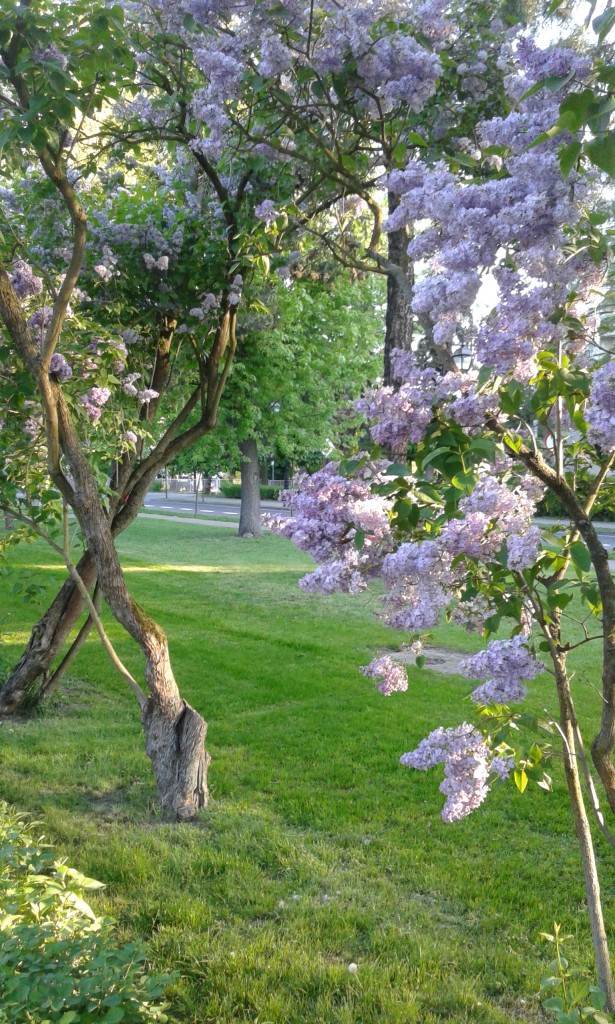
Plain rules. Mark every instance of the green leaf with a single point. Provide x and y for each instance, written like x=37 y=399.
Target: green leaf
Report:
x=396 y=469
x=597 y=997
x=520 y=779
x=416 y=139
x=554 y=1003
x=580 y=556
x=603 y=24
x=568 y=156
x=601 y=152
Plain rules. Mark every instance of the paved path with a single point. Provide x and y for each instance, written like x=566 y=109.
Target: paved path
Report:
x=211 y=505
x=188 y=519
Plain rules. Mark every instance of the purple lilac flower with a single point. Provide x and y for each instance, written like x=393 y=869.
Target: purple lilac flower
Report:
x=393 y=677
x=50 y=55
x=502 y=665
x=466 y=758
x=93 y=401
x=266 y=212
x=147 y=395
x=60 y=368
x=601 y=408
x=24 y=280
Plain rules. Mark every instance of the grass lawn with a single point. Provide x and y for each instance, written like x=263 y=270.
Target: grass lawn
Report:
x=319 y=850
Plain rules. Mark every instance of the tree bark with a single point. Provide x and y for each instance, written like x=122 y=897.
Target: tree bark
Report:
x=26 y=685
x=250 y=515
x=568 y=730
x=399 y=316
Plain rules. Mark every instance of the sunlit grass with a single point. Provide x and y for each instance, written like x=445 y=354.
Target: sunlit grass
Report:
x=319 y=850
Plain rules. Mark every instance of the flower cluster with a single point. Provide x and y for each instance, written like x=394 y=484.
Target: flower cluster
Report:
x=60 y=368
x=512 y=225
x=601 y=408
x=502 y=666
x=24 y=280
x=266 y=212
x=467 y=760
x=392 y=675
x=151 y=263
x=328 y=510
x=93 y=402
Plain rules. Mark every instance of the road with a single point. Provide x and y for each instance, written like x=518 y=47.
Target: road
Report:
x=210 y=506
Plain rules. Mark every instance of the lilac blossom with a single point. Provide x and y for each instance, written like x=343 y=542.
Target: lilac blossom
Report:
x=600 y=413
x=327 y=510
x=60 y=368
x=151 y=263
x=523 y=548
x=502 y=666
x=39 y=321
x=147 y=395
x=266 y=212
x=466 y=758
x=93 y=401
x=24 y=280
x=393 y=677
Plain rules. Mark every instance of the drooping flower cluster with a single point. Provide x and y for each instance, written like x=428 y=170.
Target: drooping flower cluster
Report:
x=466 y=759
x=328 y=509
x=419 y=579
x=502 y=666
x=492 y=515
x=400 y=416
x=93 y=402
x=151 y=263
x=39 y=321
x=24 y=280
x=601 y=408
x=519 y=216
x=50 y=55
x=266 y=212
x=60 y=368
x=392 y=675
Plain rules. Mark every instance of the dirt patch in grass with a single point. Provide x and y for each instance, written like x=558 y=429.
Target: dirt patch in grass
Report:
x=437 y=659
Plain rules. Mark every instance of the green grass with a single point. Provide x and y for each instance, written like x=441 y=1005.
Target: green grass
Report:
x=319 y=850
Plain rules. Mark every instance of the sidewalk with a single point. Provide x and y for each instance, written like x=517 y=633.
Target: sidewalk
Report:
x=599 y=524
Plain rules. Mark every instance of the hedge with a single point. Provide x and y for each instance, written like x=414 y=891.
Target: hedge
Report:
x=234 y=491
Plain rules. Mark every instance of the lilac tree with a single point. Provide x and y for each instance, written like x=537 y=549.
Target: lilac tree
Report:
x=516 y=263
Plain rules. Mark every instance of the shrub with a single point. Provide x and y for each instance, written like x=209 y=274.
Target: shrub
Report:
x=59 y=962
x=234 y=491
x=157 y=486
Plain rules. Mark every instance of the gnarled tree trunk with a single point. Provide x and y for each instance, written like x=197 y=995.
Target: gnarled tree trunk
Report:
x=250 y=515
x=26 y=686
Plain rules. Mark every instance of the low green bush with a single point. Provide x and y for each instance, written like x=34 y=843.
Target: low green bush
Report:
x=59 y=962
x=234 y=491
x=157 y=486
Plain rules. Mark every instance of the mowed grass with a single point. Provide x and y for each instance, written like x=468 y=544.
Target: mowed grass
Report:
x=319 y=850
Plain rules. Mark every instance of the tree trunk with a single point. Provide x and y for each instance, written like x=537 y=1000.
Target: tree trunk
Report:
x=568 y=729
x=26 y=686
x=399 y=317
x=250 y=515
x=206 y=485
